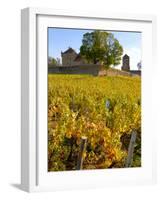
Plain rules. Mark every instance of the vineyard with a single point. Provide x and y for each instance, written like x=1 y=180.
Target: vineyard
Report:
x=104 y=109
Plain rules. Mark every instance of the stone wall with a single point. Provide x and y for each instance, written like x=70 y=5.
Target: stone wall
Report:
x=114 y=72
x=78 y=69
x=135 y=72
x=91 y=69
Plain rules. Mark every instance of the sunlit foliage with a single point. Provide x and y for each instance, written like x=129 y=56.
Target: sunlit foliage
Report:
x=77 y=106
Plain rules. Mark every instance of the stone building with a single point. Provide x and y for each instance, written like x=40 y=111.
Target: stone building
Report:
x=71 y=58
x=125 y=63
x=126 y=66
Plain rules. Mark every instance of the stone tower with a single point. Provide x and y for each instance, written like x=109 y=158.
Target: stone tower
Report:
x=125 y=63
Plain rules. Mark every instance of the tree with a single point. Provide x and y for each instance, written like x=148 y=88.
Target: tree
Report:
x=53 y=61
x=114 y=51
x=101 y=47
x=139 y=65
x=94 y=46
x=58 y=61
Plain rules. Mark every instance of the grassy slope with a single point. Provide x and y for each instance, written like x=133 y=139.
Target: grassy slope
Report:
x=77 y=107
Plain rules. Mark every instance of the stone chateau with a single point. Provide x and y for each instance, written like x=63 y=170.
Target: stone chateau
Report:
x=73 y=63
x=71 y=58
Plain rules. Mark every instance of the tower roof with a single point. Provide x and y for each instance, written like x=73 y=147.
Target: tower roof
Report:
x=125 y=56
x=69 y=50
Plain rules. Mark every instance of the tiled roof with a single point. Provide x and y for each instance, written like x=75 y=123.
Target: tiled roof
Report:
x=69 y=50
x=78 y=57
x=126 y=56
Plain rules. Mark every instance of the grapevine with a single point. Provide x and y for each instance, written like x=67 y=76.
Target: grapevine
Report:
x=77 y=107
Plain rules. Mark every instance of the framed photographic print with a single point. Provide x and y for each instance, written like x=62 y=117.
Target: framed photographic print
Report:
x=86 y=99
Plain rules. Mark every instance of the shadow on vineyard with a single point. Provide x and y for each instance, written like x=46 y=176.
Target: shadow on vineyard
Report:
x=105 y=110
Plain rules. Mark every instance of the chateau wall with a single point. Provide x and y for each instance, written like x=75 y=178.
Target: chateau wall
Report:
x=78 y=69
x=68 y=59
x=80 y=62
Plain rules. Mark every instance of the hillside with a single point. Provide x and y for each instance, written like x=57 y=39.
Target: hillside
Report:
x=104 y=109
x=117 y=72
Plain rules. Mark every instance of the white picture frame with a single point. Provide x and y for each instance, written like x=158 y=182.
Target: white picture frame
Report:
x=34 y=176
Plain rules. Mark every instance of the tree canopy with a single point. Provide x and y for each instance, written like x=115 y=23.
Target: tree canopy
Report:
x=54 y=61
x=139 y=65
x=101 y=47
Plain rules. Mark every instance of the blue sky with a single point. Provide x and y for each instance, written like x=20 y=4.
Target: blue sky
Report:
x=60 y=39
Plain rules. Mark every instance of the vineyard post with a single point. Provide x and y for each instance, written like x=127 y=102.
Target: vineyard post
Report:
x=81 y=152
x=131 y=149
x=107 y=103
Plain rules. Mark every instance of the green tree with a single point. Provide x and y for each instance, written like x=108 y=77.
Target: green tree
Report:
x=53 y=61
x=114 y=51
x=94 y=46
x=102 y=47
